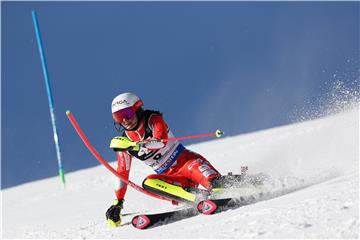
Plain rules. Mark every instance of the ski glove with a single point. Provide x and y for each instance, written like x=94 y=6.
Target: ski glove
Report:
x=124 y=144
x=113 y=214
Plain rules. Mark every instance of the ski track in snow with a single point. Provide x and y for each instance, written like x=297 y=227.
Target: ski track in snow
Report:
x=312 y=192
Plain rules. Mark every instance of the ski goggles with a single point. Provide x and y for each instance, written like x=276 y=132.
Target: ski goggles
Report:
x=126 y=113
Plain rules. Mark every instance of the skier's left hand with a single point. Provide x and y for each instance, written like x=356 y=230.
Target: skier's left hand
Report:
x=124 y=144
x=113 y=214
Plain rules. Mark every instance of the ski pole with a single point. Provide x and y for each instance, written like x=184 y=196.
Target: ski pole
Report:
x=218 y=133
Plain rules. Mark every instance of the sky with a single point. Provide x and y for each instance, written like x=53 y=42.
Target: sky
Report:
x=237 y=66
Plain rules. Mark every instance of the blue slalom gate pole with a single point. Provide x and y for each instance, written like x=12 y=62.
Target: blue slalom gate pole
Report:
x=50 y=96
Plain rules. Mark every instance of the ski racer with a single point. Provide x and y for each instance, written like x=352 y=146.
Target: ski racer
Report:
x=177 y=168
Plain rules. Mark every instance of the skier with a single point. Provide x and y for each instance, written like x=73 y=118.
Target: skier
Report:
x=178 y=170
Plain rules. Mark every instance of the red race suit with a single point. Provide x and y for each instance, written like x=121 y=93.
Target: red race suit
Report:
x=172 y=163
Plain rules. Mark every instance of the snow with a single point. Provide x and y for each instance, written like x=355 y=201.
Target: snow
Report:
x=313 y=191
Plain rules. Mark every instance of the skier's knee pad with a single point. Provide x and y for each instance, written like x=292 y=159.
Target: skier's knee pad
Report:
x=171 y=191
x=172 y=179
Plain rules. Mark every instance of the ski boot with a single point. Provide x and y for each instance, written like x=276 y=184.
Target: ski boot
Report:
x=242 y=180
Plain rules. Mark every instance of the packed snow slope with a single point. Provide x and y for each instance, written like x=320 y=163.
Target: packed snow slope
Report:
x=313 y=191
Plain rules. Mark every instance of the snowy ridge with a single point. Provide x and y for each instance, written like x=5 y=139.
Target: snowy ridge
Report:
x=313 y=191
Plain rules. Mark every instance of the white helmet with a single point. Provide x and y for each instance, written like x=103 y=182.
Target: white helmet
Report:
x=124 y=102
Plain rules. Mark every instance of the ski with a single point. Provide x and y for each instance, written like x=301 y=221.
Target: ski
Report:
x=206 y=207
x=212 y=206
x=145 y=221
